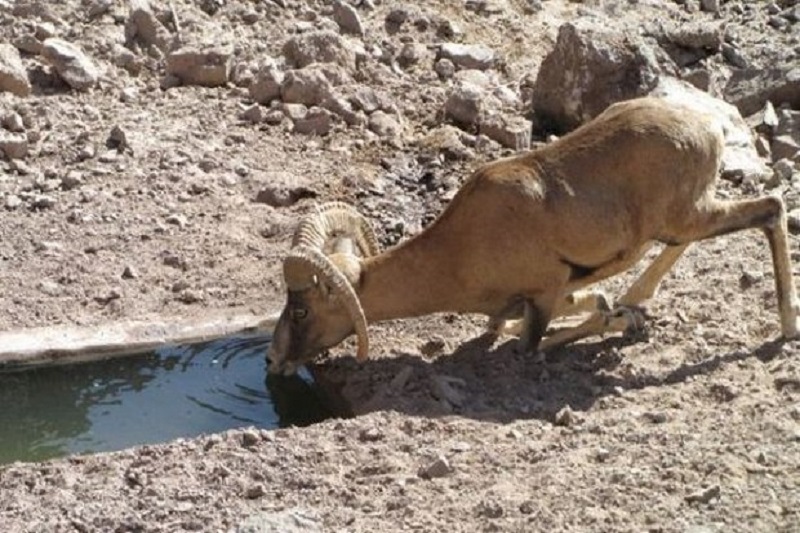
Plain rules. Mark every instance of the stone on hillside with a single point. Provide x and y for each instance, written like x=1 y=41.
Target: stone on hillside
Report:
x=319 y=47
x=13 y=76
x=468 y=56
x=208 y=67
x=71 y=64
x=13 y=145
x=339 y=106
x=266 y=86
x=317 y=121
x=144 y=27
x=288 y=521
x=467 y=103
x=384 y=125
x=710 y=5
x=589 y=69
x=750 y=89
x=347 y=18
x=307 y=86
x=786 y=142
x=511 y=131
x=739 y=157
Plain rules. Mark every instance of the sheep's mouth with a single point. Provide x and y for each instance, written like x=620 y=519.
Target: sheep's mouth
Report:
x=284 y=368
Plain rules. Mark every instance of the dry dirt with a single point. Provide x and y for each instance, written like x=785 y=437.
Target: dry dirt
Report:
x=692 y=425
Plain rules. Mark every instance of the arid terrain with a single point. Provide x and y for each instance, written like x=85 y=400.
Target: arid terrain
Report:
x=156 y=157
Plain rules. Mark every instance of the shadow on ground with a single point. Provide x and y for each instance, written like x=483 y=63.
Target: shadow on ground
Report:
x=495 y=383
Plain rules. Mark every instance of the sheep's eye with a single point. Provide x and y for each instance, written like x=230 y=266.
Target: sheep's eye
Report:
x=299 y=314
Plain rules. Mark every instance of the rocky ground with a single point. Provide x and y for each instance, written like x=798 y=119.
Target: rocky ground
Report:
x=156 y=158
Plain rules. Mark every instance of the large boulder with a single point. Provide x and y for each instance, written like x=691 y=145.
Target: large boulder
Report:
x=71 y=64
x=143 y=27
x=13 y=76
x=208 y=67
x=589 y=69
x=750 y=89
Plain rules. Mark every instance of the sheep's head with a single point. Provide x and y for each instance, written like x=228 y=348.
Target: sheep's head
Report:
x=322 y=308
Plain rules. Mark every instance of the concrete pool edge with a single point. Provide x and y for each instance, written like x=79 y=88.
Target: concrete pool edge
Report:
x=70 y=344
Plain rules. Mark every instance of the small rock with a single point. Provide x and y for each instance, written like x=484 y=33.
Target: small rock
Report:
x=256 y=491
x=444 y=68
x=13 y=145
x=117 y=138
x=191 y=296
x=177 y=220
x=98 y=8
x=288 y=521
x=384 y=125
x=371 y=435
x=71 y=64
x=13 y=76
x=307 y=86
x=433 y=347
x=439 y=467
x=250 y=437
x=465 y=104
x=208 y=67
x=793 y=219
x=319 y=47
x=704 y=495
x=13 y=201
x=347 y=18
x=511 y=131
x=783 y=170
x=42 y=201
x=411 y=54
x=130 y=272
x=750 y=278
x=565 y=417
x=656 y=417
x=467 y=56
x=711 y=6
x=72 y=180
x=317 y=121
x=50 y=288
x=12 y=121
x=111 y=295
x=266 y=86
x=342 y=108
x=365 y=99
x=734 y=56
x=129 y=94
x=602 y=455
x=253 y=113
x=143 y=26
x=490 y=509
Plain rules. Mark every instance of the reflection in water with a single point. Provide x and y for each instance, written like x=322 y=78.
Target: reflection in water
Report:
x=179 y=391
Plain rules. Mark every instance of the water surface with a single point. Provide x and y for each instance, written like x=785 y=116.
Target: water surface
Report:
x=179 y=391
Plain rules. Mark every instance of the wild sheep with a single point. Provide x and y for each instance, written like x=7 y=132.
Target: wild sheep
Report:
x=525 y=234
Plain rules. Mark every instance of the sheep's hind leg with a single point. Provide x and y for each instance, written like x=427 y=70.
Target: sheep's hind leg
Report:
x=581 y=301
x=625 y=315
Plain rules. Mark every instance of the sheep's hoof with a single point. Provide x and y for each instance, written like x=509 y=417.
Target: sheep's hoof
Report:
x=627 y=318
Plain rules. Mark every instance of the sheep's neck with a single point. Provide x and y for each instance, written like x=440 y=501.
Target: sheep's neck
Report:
x=412 y=279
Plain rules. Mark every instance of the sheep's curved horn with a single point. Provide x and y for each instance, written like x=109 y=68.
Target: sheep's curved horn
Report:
x=336 y=219
x=300 y=268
